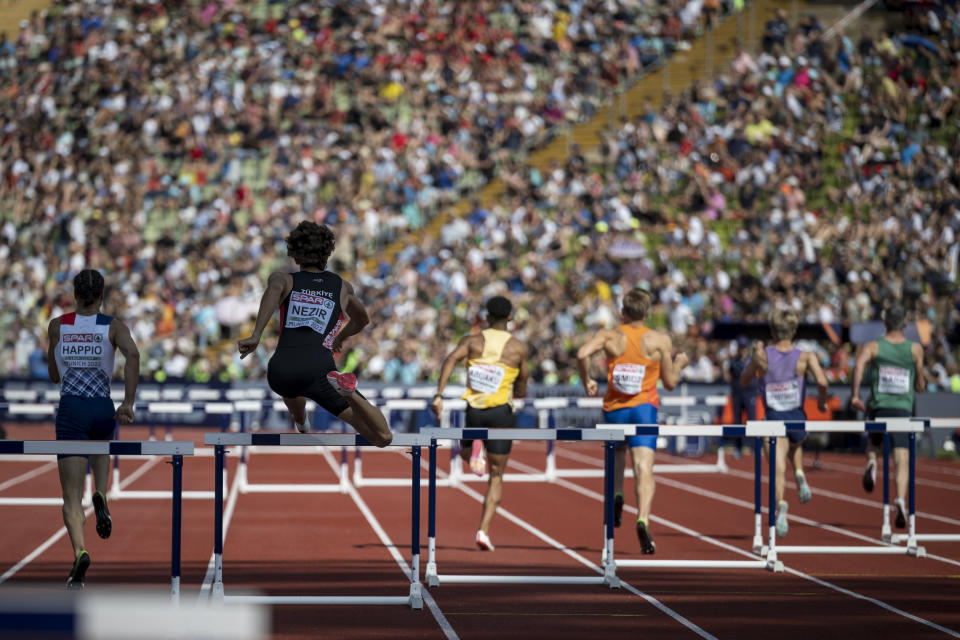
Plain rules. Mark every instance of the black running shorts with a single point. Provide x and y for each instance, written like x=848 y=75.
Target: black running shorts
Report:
x=297 y=371
x=897 y=440
x=493 y=418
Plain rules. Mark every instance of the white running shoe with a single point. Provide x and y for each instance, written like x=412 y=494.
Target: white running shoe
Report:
x=483 y=541
x=342 y=383
x=782 y=525
x=803 y=489
x=302 y=428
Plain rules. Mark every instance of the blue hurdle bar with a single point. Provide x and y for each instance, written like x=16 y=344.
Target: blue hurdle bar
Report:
x=222 y=440
x=176 y=449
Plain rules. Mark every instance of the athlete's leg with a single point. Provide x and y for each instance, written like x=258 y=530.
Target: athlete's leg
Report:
x=497 y=463
x=645 y=485
x=100 y=464
x=367 y=420
x=72 y=470
x=297 y=408
x=901 y=457
x=619 y=465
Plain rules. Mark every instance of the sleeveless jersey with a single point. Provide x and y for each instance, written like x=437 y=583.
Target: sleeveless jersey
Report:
x=489 y=381
x=781 y=388
x=85 y=356
x=894 y=370
x=310 y=316
x=631 y=376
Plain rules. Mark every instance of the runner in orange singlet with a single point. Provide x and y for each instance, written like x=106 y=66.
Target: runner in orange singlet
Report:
x=637 y=357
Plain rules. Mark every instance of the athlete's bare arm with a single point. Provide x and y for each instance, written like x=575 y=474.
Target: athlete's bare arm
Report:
x=811 y=365
x=867 y=354
x=120 y=338
x=53 y=336
x=670 y=366
x=597 y=342
x=520 y=384
x=279 y=285
x=461 y=351
x=757 y=366
x=919 y=380
x=357 y=316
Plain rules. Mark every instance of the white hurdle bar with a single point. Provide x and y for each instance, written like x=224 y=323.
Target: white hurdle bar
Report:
x=880 y=425
x=607 y=436
x=897 y=538
x=756 y=431
x=414 y=599
x=122 y=447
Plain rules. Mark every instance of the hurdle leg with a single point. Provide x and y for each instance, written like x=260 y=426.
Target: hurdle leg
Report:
x=114 y=492
x=885 y=532
x=912 y=547
x=757 y=495
x=357 y=468
x=431 y=574
x=218 y=453
x=416 y=597
x=175 y=529
x=610 y=578
x=772 y=563
x=88 y=487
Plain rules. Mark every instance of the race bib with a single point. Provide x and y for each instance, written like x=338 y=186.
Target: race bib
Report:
x=628 y=378
x=82 y=350
x=783 y=396
x=893 y=380
x=485 y=378
x=309 y=311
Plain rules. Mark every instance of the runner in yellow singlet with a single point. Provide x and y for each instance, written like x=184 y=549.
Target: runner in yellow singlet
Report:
x=496 y=373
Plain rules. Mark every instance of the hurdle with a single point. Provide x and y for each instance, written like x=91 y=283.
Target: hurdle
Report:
x=220 y=441
x=128 y=448
x=545 y=420
x=755 y=431
x=608 y=436
x=885 y=426
x=912 y=537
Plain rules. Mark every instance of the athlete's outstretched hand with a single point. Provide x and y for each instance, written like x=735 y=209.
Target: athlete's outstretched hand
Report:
x=758 y=350
x=857 y=404
x=248 y=345
x=680 y=361
x=437 y=406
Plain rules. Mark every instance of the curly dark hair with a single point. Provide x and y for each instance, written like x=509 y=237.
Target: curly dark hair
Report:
x=87 y=286
x=311 y=244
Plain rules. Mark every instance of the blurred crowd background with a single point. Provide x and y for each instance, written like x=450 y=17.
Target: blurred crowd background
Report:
x=174 y=145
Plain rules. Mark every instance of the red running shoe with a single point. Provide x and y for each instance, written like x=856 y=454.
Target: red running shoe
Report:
x=342 y=383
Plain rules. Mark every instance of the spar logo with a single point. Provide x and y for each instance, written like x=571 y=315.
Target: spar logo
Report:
x=82 y=337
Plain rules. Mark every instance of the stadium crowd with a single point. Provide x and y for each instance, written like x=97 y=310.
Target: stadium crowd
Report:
x=800 y=177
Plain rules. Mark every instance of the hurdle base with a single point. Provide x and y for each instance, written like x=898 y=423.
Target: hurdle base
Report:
x=758 y=545
x=491 y=579
x=916 y=551
x=320 y=600
x=886 y=534
x=829 y=550
x=610 y=578
x=698 y=564
x=899 y=538
x=415 y=599
x=431 y=575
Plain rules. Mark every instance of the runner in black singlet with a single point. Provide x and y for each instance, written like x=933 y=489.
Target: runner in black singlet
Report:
x=318 y=311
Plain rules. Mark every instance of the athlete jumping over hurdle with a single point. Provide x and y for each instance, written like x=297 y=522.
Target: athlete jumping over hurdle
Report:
x=781 y=369
x=80 y=357
x=496 y=372
x=637 y=357
x=895 y=363
x=318 y=311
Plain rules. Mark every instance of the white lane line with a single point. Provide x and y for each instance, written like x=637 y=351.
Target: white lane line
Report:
x=858 y=471
x=232 y=493
x=432 y=605
x=678 y=527
x=523 y=524
x=62 y=531
x=23 y=477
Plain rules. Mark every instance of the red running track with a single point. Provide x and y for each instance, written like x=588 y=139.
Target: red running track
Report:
x=324 y=544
